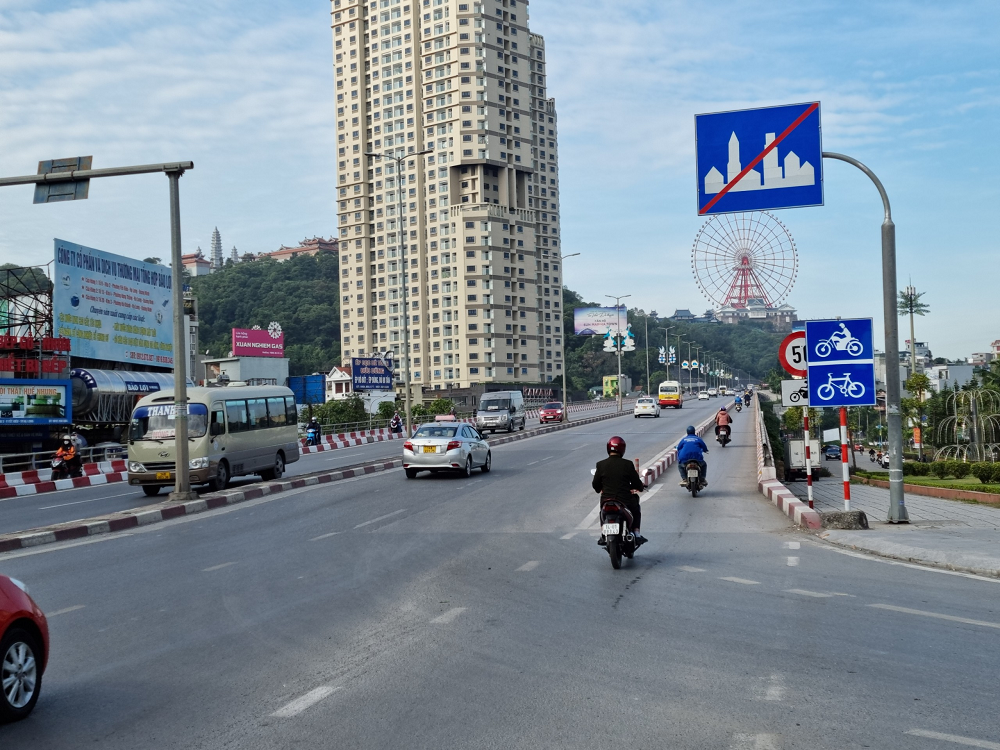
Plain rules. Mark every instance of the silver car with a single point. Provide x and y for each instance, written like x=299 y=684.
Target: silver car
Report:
x=443 y=446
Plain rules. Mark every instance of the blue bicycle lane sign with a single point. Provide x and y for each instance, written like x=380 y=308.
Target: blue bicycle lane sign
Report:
x=841 y=362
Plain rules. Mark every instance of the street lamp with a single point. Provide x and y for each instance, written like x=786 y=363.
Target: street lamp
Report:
x=619 y=339
x=399 y=157
x=565 y=372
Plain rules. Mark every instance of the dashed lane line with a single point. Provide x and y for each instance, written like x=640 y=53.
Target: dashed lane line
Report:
x=690 y=569
x=570 y=535
x=937 y=616
x=448 y=616
x=803 y=592
x=650 y=492
x=65 y=610
x=217 y=567
x=744 y=581
x=380 y=518
x=755 y=742
x=958 y=740
x=325 y=536
x=792 y=562
x=528 y=566
x=301 y=703
x=776 y=689
x=793 y=545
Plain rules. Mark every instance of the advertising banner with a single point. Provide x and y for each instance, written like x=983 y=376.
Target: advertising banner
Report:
x=113 y=307
x=255 y=342
x=597 y=321
x=35 y=402
x=371 y=373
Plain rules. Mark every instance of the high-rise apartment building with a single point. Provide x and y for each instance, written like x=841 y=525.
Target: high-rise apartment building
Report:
x=478 y=213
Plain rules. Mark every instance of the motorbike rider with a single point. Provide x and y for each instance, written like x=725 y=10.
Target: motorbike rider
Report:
x=396 y=423
x=722 y=418
x=69 y=455
x=618 y=479
x=314 y=425
x=871 y=454
x=739 y=400
x=692 y=448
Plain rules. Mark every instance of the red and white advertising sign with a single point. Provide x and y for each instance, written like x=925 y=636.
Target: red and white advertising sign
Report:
x=792 y=354
x=255 y=342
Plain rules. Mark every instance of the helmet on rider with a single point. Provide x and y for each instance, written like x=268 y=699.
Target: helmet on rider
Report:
x=616 y=445
x=690 y=429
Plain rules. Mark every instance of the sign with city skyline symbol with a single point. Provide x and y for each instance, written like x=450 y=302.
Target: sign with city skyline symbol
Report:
x=759 y=159
x=841 y=362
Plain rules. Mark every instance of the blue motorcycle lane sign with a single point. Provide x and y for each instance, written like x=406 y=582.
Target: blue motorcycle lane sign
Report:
x=841 y=362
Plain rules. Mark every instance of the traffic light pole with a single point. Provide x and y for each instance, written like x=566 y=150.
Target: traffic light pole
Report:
x=897 y=503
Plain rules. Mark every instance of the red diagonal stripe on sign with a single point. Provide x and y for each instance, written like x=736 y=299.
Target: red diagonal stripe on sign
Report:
x=760 y=157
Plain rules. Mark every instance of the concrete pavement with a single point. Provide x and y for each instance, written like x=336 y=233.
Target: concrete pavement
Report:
x=440 y=612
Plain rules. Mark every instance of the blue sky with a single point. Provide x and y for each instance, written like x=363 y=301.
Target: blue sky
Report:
x=244 y=89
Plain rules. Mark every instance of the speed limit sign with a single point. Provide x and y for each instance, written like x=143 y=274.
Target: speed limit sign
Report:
x=792 y=354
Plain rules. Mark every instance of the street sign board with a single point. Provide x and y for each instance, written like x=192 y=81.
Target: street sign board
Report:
x=70 y=190
x=794 y=393
x=759 y=159
x=372 y=373
x=792 y=354
x=841 y=362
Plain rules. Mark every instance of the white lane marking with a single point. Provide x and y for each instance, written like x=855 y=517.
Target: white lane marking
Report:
x=744 y=581
x=579 y=447
x=591 y=518
x=448 y=616
x=968 y=741
x=689 y=569
x=793 y=561
x=65 y=610
x=80 y=502
x=755 y=742
x=935 y=615
x=548 y=457
x=327 y=536
x=650 y=492
x=300 y=704
x=530 y=565
x=926 y=568
x=816 y=594
x=381 y=518
x=217 y=567
x=792 y=545
x=570 y=535
x=535 y=462
x=775 y=689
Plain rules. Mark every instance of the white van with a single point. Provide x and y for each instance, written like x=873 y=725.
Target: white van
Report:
x=233 y=430
x=501 y=410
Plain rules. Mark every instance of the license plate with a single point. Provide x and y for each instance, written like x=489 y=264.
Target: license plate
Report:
x=693 y=473
x=430 y=449
x=163 y=475
x=610 y=529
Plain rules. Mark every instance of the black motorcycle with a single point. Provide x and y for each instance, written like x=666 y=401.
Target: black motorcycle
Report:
x=62 y=469
x=616 y=527
x=723 y=435
x=692 y=470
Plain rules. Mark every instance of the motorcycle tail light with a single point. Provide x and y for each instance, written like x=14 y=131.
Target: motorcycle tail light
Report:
x=453 y=445
x=408 y=446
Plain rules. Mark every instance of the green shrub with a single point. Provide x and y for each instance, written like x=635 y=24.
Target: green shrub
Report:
x=982 y=471
x=939 y=469
x=960 y=469
x=921 y=469
x=995 y=479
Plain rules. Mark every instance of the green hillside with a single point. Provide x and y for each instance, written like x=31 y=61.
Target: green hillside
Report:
x=302 y=294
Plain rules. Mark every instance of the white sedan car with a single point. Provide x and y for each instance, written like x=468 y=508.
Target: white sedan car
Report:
x=446 y=446
x=646 y=407
x=703 y=396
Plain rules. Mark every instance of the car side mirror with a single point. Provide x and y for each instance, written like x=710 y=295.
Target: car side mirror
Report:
x=216 y=429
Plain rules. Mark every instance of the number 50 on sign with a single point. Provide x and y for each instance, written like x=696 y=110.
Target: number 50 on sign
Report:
x=792 y=354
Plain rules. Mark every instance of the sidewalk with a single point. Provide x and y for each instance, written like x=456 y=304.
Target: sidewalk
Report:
x=943 y=533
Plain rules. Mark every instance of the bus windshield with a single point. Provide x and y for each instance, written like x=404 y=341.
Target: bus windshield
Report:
x=668 y=389
x=157 y=422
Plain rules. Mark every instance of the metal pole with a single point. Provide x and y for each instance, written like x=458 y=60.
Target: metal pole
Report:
x=565 y=372
x=182 y=480
x=645 y=319
x=890 y=312
x=620 y=340
x=405 y=277
x=843 y=458
x=809 y=470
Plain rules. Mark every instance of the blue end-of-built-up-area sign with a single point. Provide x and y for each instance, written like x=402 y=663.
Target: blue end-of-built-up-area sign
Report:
x=841 y=362
x=759 y=159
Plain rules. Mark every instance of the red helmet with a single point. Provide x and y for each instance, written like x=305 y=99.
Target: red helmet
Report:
x=616 y=445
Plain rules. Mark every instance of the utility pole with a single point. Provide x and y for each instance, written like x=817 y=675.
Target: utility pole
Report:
x=399 y=157
x=645 y=345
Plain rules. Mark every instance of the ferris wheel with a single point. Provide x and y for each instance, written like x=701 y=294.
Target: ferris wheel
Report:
x=742 y=258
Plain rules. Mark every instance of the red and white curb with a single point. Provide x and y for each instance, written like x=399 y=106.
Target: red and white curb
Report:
x=164 y=511
x=783 y=498
x=40 y=480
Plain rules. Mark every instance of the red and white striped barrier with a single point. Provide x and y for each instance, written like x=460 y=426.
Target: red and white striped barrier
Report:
x=40 y=480
x=774 y=490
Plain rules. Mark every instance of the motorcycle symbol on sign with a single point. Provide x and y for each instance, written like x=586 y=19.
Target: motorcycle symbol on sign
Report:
x=801 y=393
x=840 y=341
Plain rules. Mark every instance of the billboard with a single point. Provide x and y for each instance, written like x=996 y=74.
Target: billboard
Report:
x=371 y=373
x=308 y=389
x=597 y=321
x=113 y=307
x=255 y=342
x=35 y=402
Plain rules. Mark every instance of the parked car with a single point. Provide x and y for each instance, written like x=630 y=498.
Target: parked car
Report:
x=831 y=452
x=24 y=650
x=646 y=407
x=551 y=412
x=441 y=446
x=703 y=395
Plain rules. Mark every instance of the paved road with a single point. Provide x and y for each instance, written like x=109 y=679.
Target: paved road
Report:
x=439 y=612
x=32 y=511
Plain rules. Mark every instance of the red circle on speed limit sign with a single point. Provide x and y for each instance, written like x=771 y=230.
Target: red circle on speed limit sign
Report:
x=792 y=354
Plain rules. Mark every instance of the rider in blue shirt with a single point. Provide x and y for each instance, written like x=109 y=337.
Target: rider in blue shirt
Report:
x=739 y=400
x=692 y=448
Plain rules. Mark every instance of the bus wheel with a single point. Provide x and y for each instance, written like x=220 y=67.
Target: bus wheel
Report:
x=277 y=471
x=221 y=479
x=151 y=490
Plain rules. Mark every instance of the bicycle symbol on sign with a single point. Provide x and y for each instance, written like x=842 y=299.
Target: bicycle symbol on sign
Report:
x=845 y=385
x=840 y=341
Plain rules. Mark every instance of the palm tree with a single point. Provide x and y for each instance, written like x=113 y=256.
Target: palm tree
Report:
x=909 y=304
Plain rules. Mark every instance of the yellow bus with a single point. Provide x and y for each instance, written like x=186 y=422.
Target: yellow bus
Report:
x=670 y=394
x=234 y=430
